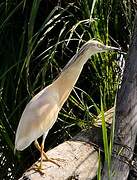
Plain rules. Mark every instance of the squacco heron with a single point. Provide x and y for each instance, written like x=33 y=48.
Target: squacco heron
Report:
x=42 y=111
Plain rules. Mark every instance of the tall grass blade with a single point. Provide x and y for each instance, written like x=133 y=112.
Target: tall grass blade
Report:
x=105 y=139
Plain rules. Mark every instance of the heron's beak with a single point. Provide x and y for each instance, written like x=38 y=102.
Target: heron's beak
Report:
x=110 y=48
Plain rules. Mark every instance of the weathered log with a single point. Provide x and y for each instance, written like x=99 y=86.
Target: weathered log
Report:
x=126 y=117
x=78 y=159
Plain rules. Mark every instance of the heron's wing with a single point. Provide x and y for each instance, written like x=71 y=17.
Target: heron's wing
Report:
x=38 y=117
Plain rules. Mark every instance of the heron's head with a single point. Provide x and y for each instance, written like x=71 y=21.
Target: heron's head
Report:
x=88 y=49
x=96 y=47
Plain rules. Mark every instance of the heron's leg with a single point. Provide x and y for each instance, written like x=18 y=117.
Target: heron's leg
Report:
x=38 y=167
x=43 y=153
x=37 y=145
x=41 y=149
x=42 y=146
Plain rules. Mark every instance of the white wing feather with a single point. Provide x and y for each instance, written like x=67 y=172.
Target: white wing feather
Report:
x=38 y=117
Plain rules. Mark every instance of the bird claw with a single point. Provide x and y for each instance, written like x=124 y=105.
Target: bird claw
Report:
x=58 y=159
x=38 y=168
x=52 y=160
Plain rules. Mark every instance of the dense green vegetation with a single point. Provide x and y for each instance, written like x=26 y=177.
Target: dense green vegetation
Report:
x=37 y=38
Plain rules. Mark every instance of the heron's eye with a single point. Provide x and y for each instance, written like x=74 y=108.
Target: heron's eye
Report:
x=99 y=45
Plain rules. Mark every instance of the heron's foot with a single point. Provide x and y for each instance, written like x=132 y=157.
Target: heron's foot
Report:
x=51 y=160
x=39 y=168
x=58 y=159
x=43 y=154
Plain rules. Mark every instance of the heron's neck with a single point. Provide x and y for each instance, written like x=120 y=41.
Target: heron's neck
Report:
x=69 y=76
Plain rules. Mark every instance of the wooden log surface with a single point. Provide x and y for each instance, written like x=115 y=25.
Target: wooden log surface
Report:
x=126 y=117
x=78 y=159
